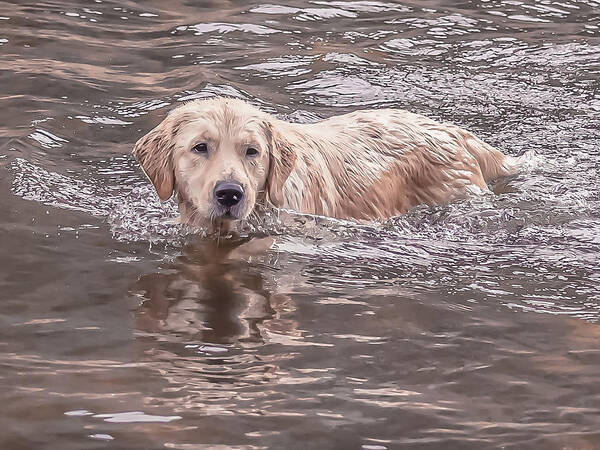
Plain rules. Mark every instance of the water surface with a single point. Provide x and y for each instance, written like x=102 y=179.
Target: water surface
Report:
x=473 y=325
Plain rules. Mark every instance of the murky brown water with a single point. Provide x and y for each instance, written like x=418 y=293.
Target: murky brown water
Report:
x=468 y=326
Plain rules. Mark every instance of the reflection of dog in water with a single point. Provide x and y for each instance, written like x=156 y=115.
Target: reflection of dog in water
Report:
x=212 y=293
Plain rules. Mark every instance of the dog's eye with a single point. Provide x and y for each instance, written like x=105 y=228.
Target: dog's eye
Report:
x=250 y=151
x=200 y=148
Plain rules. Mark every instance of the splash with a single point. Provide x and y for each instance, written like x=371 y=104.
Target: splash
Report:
x=132 y=212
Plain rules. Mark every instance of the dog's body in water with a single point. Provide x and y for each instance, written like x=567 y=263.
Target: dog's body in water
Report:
x=225 y=159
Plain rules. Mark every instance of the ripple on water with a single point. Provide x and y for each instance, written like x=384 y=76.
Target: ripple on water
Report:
x=133 y=213
x=469 y=325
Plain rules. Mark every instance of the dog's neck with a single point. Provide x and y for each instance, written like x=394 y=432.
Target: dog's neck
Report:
x=344 y=184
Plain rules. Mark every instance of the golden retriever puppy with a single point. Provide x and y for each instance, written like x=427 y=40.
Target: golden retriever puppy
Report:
x=224 y=158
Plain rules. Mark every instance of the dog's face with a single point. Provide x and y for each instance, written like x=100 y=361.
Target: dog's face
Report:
x=220 y=156
x=221 y=162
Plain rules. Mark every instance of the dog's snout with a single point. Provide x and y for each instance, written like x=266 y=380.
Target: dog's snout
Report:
x=228 y=193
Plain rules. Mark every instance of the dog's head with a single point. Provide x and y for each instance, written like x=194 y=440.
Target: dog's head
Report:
x=221 y=156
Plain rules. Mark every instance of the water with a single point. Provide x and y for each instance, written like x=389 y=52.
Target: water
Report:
x=468 y=326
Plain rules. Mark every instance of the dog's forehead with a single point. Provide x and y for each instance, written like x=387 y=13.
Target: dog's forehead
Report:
x=219 y=118
x=222 y=109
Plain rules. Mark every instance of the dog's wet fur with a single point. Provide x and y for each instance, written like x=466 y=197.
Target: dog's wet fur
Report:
x=225 y=159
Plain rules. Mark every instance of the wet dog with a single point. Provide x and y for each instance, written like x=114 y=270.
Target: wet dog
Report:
x=225 y=159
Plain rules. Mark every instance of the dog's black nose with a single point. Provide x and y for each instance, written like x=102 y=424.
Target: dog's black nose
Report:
x=228 y=193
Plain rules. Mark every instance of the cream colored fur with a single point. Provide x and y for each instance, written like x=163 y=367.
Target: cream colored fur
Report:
x=370 y=164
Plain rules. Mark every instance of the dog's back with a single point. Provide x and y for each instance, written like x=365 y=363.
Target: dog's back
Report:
x=375 y=164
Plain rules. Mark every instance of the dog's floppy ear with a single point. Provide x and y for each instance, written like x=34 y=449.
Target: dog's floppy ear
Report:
x=153 y=151
x=282 y=159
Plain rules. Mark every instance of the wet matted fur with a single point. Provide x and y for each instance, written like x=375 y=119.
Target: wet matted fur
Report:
x=366 y=165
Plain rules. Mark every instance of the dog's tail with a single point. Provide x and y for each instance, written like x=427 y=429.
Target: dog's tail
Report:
x=493 y=163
